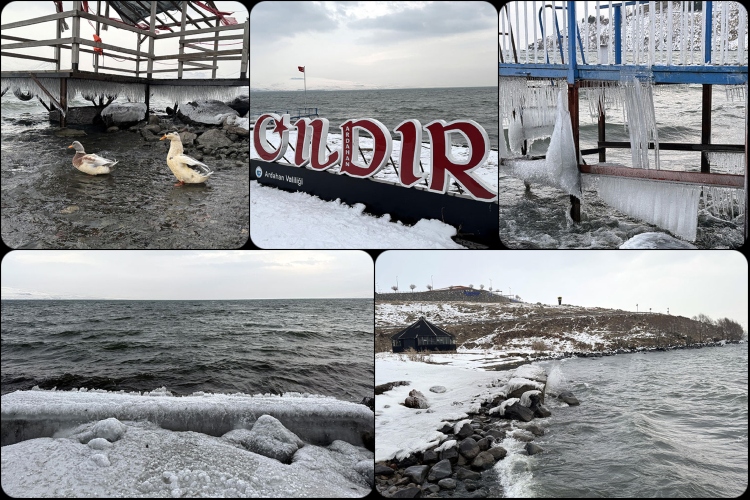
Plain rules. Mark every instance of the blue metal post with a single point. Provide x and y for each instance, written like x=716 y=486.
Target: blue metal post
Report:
x=618 y=35
x=707 y=39
x=572 y=60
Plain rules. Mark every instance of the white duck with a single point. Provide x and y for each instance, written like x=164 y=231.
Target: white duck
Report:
x=186 y=169
x=90 y=163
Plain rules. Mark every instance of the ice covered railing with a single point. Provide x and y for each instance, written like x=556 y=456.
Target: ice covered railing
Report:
x=315 y=419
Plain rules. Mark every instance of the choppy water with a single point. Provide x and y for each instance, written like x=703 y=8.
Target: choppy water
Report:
x=659 y=424
x=390 y=106
x=317 y=346
x=537 y=219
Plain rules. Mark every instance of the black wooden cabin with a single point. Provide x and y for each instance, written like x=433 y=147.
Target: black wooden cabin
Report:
x=423 y=336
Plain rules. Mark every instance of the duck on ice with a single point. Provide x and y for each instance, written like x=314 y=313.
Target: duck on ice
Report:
x=310 y=150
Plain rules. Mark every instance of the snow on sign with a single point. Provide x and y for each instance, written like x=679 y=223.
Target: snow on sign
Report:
x=310 y=150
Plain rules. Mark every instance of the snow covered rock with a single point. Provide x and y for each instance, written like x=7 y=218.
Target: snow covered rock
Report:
x=438 y=389
x=204 y=112
x=99 y=444
x=518 y=385
x=110 y=429
x=123 y=114
x=526 y=397
x=270 y=438
x=100 y=460
x=241 y=104
x=653 y=240
x=416 y=400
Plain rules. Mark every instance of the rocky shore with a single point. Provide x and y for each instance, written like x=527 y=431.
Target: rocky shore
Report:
x=461 y=464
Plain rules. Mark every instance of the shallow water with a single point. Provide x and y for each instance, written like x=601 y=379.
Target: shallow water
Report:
x=657 y=424
x=47 y=203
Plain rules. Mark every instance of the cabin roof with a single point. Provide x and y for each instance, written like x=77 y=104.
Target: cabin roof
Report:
x=421 y=328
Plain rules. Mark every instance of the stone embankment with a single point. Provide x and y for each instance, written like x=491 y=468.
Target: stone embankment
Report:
x=461 y=464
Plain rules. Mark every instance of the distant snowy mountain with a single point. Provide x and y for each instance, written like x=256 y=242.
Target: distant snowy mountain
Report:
x=10 y=293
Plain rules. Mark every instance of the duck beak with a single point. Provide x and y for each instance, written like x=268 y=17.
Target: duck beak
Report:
x=70 y=146
x=163 y=137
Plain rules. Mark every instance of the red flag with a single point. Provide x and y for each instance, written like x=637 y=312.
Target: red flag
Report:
x=301 y=68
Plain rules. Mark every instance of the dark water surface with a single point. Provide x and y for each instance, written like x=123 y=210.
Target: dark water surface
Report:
x=317 y=346
x=658 y=424
x=390 y=106
x=47 y=203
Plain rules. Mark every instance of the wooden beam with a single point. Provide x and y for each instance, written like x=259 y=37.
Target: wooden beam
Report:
x=723 y=180
x=112 y=48
x=36 y=43
x=181 y=63
x=245 y=46
x=17 y=38
x=51 y=97
x=679 y=146
x=151 y=34
x=216 y=49
x=211 y=39
x=109 y=22
x=201 y=31
x=117 y=69
x=36 y=20
x=184 y=69
x=76 y=35
x=23 y=56
x=202 y=55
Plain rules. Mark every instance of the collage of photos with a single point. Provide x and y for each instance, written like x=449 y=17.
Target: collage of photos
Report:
x=369 y=249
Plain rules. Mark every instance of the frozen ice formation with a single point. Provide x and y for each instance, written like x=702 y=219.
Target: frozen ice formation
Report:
x=269 y=438
x=153 y=462
x=205 y=112
x=315 y=419
x=124 y=112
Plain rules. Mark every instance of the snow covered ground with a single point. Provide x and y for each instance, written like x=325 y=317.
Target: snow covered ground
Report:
x=98 y=443
x=309 y=222
x=279 y=219
x=400 y=430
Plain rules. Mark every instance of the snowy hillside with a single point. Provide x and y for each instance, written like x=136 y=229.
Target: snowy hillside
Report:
x=539 y=330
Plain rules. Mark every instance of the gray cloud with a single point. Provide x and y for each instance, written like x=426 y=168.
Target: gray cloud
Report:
x=274 y=20
x=439 y=19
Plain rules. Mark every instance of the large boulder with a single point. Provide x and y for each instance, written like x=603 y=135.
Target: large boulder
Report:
x=123 y=114
x=498 y=452
x=212 y=139
x=569 y=398
x=469 y=448
x=204 y=112
x=464 y=431
x=418 y=473
x=236 y=125
x=416 y=400
x=533 y=449
x=537 y=407
x=440 y=470
x=516 y=411
x=241 y=104
x=518 y=385
x=483 y=461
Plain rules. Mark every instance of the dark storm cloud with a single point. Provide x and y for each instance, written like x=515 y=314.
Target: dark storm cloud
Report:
x=438 y=19
x=274 y=20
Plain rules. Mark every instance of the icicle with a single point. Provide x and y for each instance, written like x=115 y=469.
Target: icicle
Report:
x=27 y=85
x=727 y=163
x=670 y=47
x=651 y=35
x=641 y=121
x=185 y=93
x=669 y=205
x=724 y=203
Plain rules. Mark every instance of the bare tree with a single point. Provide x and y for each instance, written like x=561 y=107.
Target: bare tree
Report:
x=481 y=287
x=429 y=287
x=394 y=288
x=471 y=286
x=412 y=287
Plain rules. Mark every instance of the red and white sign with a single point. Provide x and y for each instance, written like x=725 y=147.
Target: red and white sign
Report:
x=310 y=150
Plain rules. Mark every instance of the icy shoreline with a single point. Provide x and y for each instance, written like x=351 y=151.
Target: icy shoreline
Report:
x=99 y=443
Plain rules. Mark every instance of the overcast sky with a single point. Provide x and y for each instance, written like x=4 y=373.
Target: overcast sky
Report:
x=354 y=45
x=17 y=11
x=687 y=282
x=189 y=275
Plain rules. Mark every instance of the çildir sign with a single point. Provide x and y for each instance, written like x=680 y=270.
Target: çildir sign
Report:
x=310 y=150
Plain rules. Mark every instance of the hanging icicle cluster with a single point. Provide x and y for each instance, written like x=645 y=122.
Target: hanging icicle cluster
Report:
x=609 y=94
x=669 y=205
x=727 y=162
x=724 y=203
x=28 y=88
x=185 y=93
x=528 y=107
x=134 y=92
x=736 y=92
x=640 y=120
